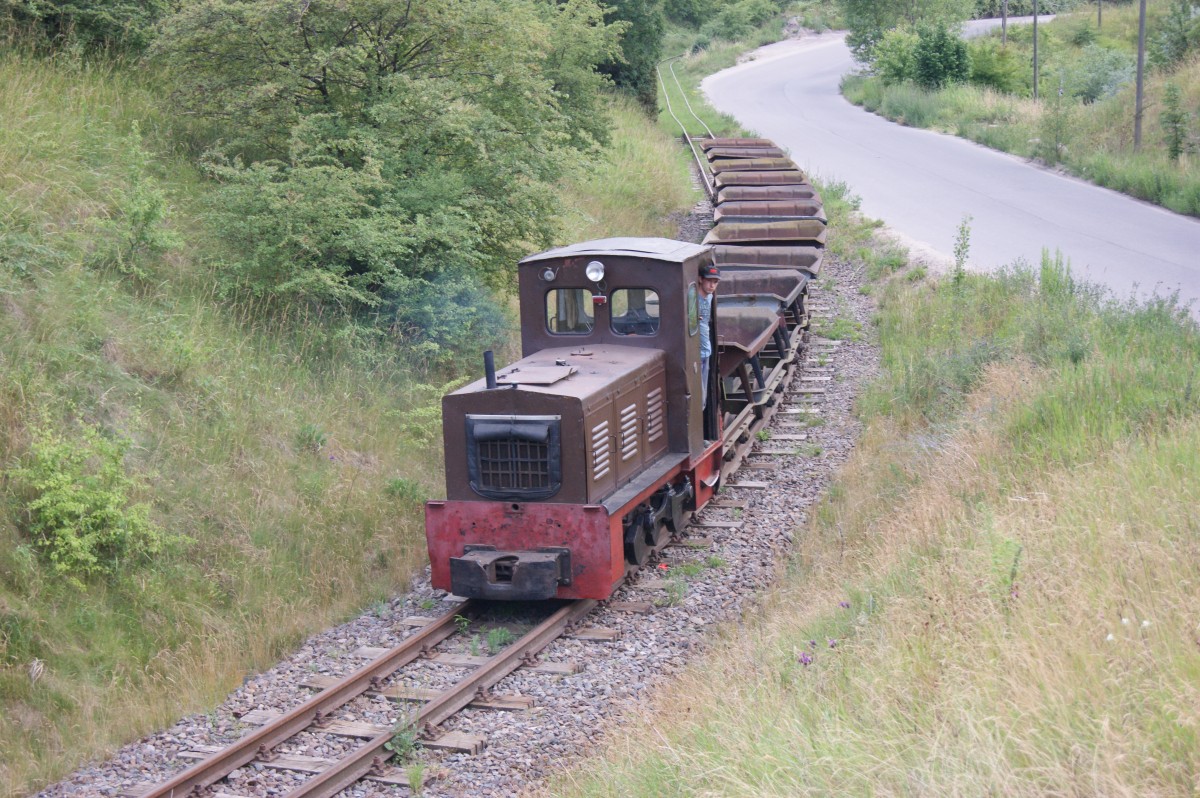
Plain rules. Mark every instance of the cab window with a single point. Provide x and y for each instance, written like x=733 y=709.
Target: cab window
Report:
x=569 y=311
x=634 y=311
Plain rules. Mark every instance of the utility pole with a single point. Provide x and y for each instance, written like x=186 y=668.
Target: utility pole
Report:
x=1141 y=68
x=1004 y=23
x=1099 y=14
x=1035 y=58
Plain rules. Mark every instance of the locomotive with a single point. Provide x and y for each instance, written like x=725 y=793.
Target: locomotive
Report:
x=574 y=465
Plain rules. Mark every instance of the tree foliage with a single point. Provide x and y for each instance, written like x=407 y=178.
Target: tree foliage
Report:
x=374 y=148
x=895 y=56
x=736 y=20
x=1099 y=72
x=998 y=67
x=641 y=48
x=869 y=20
x=1178 y=34
x=115 y=24
x=940 y=58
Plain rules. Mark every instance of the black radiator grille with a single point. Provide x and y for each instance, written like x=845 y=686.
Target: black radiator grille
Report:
x=512 y=463
x=514 y=457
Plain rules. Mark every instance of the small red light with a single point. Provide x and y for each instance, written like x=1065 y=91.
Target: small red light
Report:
x=598 y=300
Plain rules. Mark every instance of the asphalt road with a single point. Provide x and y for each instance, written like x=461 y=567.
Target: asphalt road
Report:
x=923 y=184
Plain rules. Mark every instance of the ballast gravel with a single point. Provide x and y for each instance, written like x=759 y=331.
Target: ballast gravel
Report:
x=716 y=581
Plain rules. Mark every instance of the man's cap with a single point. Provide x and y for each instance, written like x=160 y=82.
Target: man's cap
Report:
x=710 y=272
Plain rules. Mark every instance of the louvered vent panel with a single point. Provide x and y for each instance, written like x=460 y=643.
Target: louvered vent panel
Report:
x=601 y=452
x=654 y=415
x=629 y=432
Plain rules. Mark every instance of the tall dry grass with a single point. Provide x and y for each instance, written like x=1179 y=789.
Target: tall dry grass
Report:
x=1020 y=604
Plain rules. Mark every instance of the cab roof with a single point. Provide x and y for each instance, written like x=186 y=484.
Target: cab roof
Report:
x=664 y=249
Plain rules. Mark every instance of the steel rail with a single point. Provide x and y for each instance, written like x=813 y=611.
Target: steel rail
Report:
x=362 y=761
x=701 y=163
x=687 y=102
x=221 y=764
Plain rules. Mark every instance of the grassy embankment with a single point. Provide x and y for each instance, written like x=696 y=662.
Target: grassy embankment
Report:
x=1093 y=141
x=287 y=467
x=998 y=594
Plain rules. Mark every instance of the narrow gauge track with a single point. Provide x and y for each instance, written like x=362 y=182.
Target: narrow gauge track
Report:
x=764 y=392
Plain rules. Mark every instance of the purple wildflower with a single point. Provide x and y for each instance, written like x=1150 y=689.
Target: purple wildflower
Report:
x=812 y=643
x=844 y=605
x=832 y=643
x=805 y=659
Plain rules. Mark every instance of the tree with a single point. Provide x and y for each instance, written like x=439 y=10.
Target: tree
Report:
x=868 y=20
x=375 y=148
x=641 y=48
x=1174 y=121
x=117 y=24
x=940 y=58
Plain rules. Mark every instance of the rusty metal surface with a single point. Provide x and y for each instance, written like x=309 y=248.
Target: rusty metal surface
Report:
x=708 y=144
x=593 y=536
x=780 y=178
x=750 y=257
x=785 y=285
x=272 y=734
x=712 y=153
x=747 y=329
x=795 y=230
x=780 y=209
x=800 y=191
x=723 y=165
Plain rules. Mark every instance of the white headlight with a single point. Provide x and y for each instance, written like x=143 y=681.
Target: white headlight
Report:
x=595 y=271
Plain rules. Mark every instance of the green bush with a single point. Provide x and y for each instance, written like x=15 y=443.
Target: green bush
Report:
x=136 y=233
x=739 y=19
x=1174 y=121
x=79 y=508
x=895 y=56
x=1178 y=34
x=997 y=67
x=941 y=58
x=114 y=24
x=1099 y=72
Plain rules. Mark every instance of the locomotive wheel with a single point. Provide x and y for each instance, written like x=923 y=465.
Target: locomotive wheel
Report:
x=661 y=534
x=637 y=550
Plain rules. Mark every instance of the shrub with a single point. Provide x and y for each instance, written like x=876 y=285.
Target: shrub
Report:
x=1174 y=121
x=1178 y=35
x=996 y=67
x=80 y=513
x=136 y=232
x=117 y=24
x=895 y=57
x=739 y=19
x=941 y=58
x=1099 y=73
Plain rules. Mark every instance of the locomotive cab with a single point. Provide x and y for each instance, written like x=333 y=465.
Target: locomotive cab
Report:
x=634 y=292
x=582 y=456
